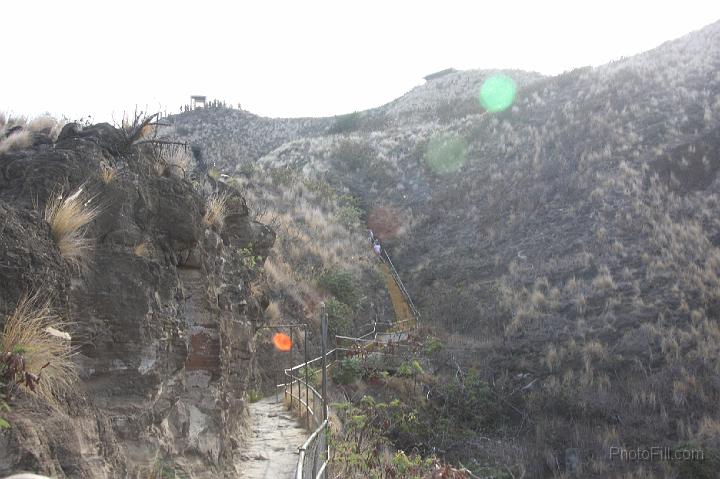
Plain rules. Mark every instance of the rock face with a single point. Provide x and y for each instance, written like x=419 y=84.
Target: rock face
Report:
x=161 y=311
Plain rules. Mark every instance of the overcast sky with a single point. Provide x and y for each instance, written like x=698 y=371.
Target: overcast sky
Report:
x=301 y=57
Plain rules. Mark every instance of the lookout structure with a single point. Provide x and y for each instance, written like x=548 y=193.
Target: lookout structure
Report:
x=197 y=101
x=439 y=74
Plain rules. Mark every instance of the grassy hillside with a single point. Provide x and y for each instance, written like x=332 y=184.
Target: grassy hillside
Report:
x=571 y=238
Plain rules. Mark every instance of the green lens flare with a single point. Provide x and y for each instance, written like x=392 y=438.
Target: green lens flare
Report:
x=446 y=153
x=497 y=93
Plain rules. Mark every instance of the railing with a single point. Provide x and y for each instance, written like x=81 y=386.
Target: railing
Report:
x=314 y=454
x=401 y=285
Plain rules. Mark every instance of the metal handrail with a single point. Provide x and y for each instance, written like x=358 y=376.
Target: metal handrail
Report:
x=323 y=426
x=311 y=413
x=303 y=448
x=398 y=281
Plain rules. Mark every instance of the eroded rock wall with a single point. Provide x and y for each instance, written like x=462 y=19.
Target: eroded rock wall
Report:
x=161 y=313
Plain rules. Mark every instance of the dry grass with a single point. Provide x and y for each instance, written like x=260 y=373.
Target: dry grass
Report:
x=307 y=215
x=68 y=218
x=147 y=131
x=12 y=121
x=42 y=123
x=142 y=250
x=273 y=312
x=107 y=173
x=216 y=210
x=46 y=124
x=178 y=160
x=16 y=141
x=37 y=332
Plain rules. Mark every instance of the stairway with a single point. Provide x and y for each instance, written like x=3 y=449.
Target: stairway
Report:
x=406 y=315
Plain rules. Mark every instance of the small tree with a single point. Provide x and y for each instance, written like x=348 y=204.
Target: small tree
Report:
x=341 y=284
x=339 y=317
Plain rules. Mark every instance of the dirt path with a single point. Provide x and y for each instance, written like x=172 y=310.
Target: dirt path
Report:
x=272 y=449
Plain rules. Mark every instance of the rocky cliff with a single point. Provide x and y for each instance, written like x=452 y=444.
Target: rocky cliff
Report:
x=160 y=311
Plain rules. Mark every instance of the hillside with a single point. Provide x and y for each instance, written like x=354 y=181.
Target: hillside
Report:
x=571 y=238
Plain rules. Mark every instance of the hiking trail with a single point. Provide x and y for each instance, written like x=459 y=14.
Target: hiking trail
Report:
x=271 y=451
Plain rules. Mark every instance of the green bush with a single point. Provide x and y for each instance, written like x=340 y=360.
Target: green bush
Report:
x=341 y=284
x=432 y=345
x=283 y=176
x=354 y=156
x=345 y=123
x=349 y=216
x=3 y=407
x=320 y=187
x=254 y=395
x=347 y=371
x=471 y=402
x=410 y=369
x=339 y=317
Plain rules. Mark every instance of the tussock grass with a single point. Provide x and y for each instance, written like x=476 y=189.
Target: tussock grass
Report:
x=35 y=331
x=13 y=121
x=178 y=159
x=68 y=218
x=46 y=124
x=107 y=173
x=216 y=210
x=42 y=123
x=16 y=141
x=273 y=312
x=142 y=250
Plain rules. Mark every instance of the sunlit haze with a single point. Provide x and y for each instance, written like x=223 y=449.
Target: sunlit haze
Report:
x=288 y=59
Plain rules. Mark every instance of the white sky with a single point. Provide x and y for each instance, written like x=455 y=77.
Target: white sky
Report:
x=301 y=57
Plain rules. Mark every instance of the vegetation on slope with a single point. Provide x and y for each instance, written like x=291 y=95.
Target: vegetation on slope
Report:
x=572 y=239
x=321 y=252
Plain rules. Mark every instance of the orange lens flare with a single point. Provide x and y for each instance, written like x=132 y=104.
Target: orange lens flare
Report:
x=282 y=341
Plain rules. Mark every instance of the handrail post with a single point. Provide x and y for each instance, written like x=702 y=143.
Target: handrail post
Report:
x=323 y=340
x=307 y=379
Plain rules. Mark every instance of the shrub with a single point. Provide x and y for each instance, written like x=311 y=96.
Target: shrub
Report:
x=68 y=218
x=254 y=395
x=349 y=212
x=339 y=317
x=249 y=259
x=341 y=284
x=283 y=176
x=410 y=369
x=3 y=407
x=471 y=402
x=432 y=345
x=33 y=335
x=354 y=156
x=345 y=123
x=214 y=173
x=347 y=371
x=216 y=210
